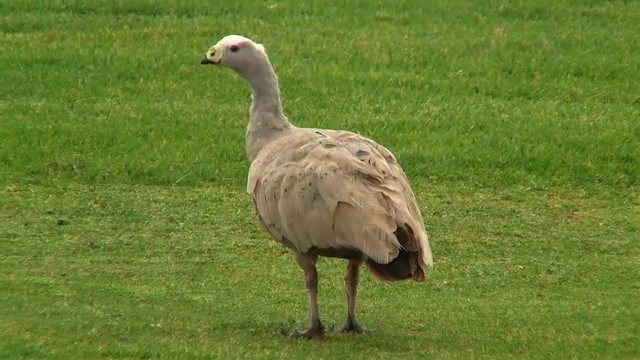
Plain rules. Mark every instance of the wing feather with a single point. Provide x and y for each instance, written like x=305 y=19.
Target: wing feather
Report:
x=332 y=189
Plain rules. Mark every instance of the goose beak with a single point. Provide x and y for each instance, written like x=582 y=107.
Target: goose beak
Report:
x=213 y=55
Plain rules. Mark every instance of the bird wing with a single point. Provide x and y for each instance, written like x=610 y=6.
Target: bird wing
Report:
x=336 y=189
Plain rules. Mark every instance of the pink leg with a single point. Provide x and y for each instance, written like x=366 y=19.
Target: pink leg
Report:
x=351 y=288
x=308 y=266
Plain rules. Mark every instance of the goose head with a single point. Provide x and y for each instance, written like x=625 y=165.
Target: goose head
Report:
x=236 y=52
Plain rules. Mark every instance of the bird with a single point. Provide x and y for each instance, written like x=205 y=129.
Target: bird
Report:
x=324 y=193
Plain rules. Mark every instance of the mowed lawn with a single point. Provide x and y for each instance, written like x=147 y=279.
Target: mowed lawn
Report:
x=126 y=232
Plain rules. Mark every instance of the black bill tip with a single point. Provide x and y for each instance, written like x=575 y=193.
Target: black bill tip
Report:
x=206 y=61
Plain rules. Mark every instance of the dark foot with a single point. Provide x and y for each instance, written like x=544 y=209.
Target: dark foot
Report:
x=314 y=332
x=353 y=327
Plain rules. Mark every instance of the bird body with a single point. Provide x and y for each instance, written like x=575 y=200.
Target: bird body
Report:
x=323 y=189
x=324 y=192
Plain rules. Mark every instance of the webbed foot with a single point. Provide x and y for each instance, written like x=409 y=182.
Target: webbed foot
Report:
x=352 y=326
x=315 y=332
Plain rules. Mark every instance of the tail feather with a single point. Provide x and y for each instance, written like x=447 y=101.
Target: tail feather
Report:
x=406 y=265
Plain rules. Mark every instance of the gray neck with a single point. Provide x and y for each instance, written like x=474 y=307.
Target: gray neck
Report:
x=266 y=120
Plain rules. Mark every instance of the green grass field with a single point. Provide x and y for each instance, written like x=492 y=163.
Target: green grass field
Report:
x=125 y=231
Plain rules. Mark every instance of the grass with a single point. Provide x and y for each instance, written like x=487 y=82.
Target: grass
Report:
x=125 y=231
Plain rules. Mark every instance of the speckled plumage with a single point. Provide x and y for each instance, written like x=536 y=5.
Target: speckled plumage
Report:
x=335 y=189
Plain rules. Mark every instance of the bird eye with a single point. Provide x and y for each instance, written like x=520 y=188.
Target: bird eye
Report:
x=233 y=48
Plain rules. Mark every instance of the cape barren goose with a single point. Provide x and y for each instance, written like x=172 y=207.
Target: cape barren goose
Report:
x=324 y=192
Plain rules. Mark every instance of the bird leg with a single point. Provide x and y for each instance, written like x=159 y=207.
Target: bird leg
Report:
x=315 y=330
x=351 y=288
